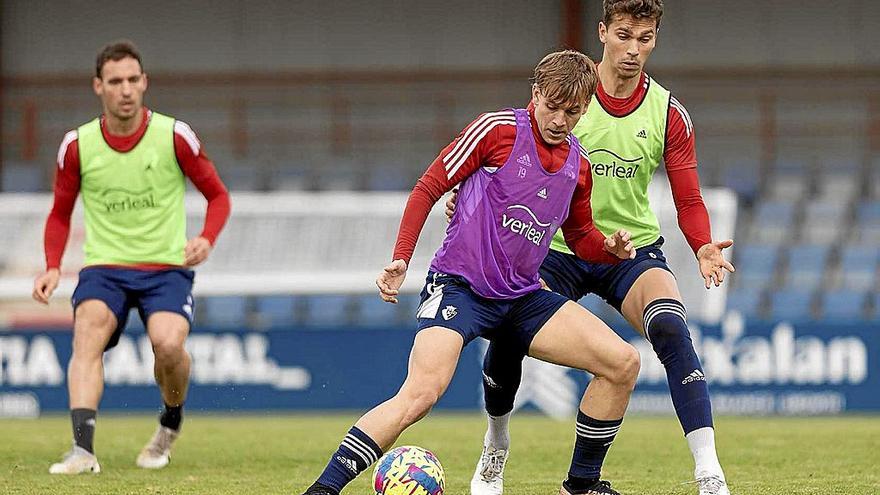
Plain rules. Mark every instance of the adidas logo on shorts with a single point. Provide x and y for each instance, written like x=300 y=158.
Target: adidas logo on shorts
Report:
x=695 y=376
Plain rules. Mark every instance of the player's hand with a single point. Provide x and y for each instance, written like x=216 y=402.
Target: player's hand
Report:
x=390 y=280
x=712 y=262
x=196 y=251
x=620 y=245
x=450 y=205
x=45 y=285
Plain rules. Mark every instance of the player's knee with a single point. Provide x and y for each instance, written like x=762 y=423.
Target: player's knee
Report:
x=628 y=369
x=666 y=327
x=168 y=350
x=91 y=318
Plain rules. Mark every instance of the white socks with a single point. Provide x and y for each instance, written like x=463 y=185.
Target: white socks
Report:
x=702 y=444
x=498 y=433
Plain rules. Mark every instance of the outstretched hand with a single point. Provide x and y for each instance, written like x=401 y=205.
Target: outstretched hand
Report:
x=620 y=245
x=712 y=262
x=390 y=280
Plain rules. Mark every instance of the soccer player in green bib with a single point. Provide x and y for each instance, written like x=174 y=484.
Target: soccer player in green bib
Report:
x=632 y=123
x=130 y=165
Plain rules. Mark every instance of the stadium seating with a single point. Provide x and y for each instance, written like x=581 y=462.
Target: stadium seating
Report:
x=858 y=267
x=373 y=311
x=773 y=222
x=843 y=305
x=874 y=309
x=742 y=177
x=24 y=177
x=328 y=310
x=757 y=265
x=223 y=311
x=823 y=221
x=275 y=311
x=791 y=305
x=789 y=186
x=745 y=301
x=806 y=266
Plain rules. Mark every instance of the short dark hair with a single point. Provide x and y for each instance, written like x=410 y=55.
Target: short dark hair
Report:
x=567 y=76
x=115 y=51
x=638 y=9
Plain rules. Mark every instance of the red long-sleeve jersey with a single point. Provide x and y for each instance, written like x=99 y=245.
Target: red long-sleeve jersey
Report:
x=680 y=157
x=190 y=156
x=488 y=142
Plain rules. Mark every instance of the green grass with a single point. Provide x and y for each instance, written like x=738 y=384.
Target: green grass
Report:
x=283 y=454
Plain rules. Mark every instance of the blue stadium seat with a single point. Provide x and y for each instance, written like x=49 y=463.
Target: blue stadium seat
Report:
x=374 y=311
x=789 y=186
x=773 y=222
x=806 y=265
x=389 y=178
x=778 y=213
x=275 y=311
x=328 y=309
x=840 y=184
x=791 y=305
x=745 y=301
x=858 y=267
x=242 y=177
x=24 y=177
x=874 y=313
x=224 y=311
x=824 y=221
x=843 y=305
x=407 y=305
x=756 y=266
x=742 y=178
x=868 y=213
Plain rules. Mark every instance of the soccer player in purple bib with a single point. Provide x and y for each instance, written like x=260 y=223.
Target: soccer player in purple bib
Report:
x=521 y=173
x=631 y=125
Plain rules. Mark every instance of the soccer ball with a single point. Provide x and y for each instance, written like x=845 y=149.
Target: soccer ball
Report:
x=409 y=471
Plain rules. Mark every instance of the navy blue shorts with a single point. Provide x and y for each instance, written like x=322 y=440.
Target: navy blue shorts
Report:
x=574 y=278
x=148 y=291
x=448 y=301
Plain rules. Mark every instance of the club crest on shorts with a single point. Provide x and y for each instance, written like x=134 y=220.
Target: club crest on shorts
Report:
x=449 y=312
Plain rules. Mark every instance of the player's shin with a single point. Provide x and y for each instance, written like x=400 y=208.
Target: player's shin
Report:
x=355 y=454
x=502 y=374
x=666 y=329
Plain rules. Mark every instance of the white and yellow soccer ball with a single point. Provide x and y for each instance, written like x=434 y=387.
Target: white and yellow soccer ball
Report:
x=409 y=471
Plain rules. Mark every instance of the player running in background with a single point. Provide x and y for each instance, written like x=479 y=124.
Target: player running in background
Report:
x=130 y=165
x=632 y=124
x=522 y=174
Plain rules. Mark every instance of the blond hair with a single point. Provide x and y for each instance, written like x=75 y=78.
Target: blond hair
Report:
x=566 y=76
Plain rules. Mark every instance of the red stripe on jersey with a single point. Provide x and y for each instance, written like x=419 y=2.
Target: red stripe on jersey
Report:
x=488 y=142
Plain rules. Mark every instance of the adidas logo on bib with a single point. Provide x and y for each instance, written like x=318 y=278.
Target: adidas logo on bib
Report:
x=524 y=160
x=542 y=193
x=642 y=134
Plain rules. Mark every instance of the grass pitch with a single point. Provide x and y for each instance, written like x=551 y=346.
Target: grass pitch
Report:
x=283 y=454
